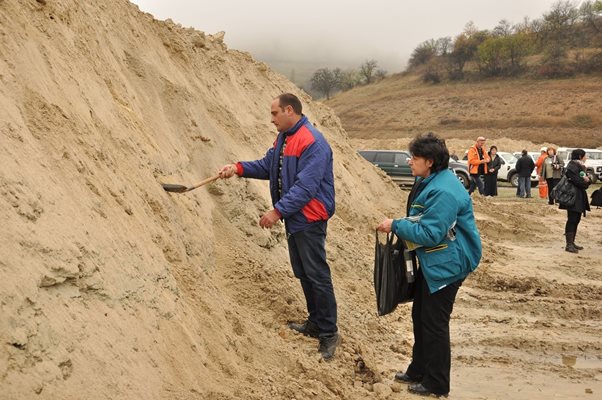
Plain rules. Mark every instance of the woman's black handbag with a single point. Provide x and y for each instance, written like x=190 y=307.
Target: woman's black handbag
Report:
x=596 y=198
x=565 y=192
x=394 y=274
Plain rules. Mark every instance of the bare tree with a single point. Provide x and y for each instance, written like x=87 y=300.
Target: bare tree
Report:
x=350 y=79
x=503 y=29
x=558 y=35
x=423 y=53
x=443 y=45
x=325 y=81
x=367 y=70
x=559 y=22
x=470 y=28
x=525 y=26
x=591 y=13
x=380 y=74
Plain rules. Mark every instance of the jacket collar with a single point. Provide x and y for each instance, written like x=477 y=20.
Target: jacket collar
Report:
x=296 y=127
x=425 y=181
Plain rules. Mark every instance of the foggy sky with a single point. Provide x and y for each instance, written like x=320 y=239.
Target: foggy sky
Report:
x=341 y=33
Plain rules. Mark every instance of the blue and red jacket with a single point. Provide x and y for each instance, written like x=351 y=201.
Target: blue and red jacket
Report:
x=307 y=176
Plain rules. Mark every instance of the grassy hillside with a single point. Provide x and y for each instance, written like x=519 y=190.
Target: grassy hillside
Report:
x=565 y=112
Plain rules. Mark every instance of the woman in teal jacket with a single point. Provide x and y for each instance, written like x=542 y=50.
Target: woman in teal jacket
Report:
x=440 y=222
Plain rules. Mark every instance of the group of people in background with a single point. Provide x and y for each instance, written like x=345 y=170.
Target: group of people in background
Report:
x=484 y=166
x=550 y=170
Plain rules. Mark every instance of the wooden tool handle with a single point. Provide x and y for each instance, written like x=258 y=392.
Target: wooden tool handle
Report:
x=204 y=182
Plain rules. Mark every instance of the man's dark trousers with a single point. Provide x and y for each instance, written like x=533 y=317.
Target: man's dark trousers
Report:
x=476 y=183
x=308 y=259
x=431 y=354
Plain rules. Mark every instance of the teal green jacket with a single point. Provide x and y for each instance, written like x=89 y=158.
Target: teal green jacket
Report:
x=441 y=201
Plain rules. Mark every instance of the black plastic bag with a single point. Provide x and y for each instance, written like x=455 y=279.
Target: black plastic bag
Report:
x=394 y=274
x=565 y=192
x=596 y=198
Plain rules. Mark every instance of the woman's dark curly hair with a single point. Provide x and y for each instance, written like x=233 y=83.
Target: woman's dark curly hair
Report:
x=431 y=147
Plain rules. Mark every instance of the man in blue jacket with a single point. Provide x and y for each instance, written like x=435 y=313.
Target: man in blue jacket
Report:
x=299 y=167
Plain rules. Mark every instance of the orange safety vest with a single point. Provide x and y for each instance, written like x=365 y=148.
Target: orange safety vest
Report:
x=473 y=159
x=539 y=163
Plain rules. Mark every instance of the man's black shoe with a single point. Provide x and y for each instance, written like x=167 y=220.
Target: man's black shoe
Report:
x=405 y=378
x=328 y=345
x=417 y=388
x=307 y=328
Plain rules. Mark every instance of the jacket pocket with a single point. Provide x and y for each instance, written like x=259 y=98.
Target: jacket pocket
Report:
x=441 y=261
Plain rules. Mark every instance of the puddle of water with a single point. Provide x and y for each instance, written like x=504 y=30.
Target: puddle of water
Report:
x=582 y=362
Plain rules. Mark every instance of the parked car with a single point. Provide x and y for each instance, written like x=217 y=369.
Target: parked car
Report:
x=507 y=171
x=461 y=171
x=395 y=164
x=593 y=163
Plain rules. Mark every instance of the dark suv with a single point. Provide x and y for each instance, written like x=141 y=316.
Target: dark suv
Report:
x=395 y=164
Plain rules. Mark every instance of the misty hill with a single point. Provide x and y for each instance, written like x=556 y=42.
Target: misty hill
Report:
x=564 y=112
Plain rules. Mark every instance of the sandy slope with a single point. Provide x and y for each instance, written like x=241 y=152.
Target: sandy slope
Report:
x=112 y=288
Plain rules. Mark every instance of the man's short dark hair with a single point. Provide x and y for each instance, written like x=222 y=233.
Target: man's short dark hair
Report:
x=431 y=147
x=577 y=154
x=524 y=152
x=289 y=99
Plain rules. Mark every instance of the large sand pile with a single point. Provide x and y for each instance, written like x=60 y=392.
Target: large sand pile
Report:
x=112 y=288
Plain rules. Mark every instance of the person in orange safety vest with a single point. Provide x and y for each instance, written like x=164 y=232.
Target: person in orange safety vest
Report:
x=477 y=165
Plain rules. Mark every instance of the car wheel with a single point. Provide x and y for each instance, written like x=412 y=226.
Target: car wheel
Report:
x=514 y=180
x=464 y=179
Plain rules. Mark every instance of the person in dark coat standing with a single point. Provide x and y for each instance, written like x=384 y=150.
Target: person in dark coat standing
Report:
x=524 y=168
x=575 y=173
x=492 y=169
